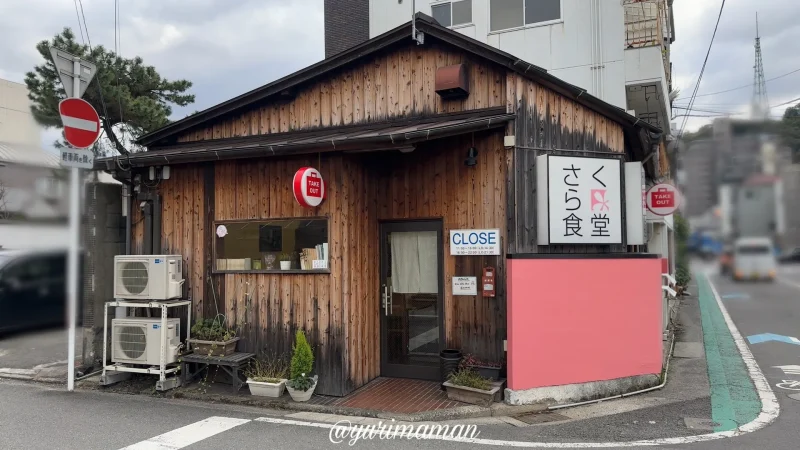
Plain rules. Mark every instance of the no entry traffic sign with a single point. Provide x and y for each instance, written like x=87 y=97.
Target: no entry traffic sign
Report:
x=81 y=122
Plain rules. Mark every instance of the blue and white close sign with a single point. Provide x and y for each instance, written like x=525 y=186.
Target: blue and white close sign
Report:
x=475 y=242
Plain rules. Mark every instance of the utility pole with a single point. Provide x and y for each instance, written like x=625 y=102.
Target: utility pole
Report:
x=81 y=130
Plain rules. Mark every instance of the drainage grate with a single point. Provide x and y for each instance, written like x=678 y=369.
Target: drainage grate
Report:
x=543 y=417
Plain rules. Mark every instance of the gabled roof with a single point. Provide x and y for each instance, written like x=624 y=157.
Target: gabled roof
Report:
x=430 y=28
x=28 y=155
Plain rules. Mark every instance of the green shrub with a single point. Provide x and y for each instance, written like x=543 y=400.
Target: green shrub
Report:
x=301 y=383
x=268 y=368
x=683 y=276
x=302 y=358
x=212 y=330
x=469 y=378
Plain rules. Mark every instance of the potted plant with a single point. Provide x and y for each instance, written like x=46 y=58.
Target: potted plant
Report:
x=301 y=384
x=266 y=376
x=465 y=385
x=485 y=368
x=286 y=260
x=211 y=337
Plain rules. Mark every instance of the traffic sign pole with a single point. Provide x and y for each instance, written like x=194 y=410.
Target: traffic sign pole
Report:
x=74 y=242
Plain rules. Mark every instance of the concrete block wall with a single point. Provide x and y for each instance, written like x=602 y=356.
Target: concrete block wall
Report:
x=104 y=237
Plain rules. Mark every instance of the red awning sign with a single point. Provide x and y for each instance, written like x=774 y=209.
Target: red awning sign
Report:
x=81 y=122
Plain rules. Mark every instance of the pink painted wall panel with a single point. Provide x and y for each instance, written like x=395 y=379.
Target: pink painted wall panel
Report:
x=580 y=320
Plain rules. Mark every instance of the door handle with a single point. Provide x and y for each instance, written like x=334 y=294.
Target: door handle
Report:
x=387 y=299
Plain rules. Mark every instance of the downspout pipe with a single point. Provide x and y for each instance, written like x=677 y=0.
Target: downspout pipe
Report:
x=628 y=394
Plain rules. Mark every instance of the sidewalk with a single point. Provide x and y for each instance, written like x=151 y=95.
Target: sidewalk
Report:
x=37 y=355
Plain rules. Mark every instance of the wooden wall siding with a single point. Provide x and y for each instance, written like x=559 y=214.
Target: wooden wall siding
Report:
x=397 y=84
x=546 y=122
x=338 y=311
x=183 y=228
x=433 y=182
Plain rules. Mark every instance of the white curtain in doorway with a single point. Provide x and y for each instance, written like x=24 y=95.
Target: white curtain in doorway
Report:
x=415 y=266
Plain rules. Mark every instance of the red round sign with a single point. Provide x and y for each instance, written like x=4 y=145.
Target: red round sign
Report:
x=663 y=199
x=81 y=122
x=308 y=187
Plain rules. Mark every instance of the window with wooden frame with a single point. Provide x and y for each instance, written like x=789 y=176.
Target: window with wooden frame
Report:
x=298 y=245
x=451 y=14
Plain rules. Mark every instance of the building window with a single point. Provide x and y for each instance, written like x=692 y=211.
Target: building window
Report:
x=450 y=14
x=295 y=245
x=505 y=14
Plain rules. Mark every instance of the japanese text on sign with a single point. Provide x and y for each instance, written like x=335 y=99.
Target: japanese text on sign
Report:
x=585 y=200
x=71 y=157
x=465 y=285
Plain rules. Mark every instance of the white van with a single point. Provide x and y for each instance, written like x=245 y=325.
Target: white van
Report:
x=754 y=259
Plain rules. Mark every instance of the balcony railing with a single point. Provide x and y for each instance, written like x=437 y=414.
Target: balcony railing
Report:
x=647 y=24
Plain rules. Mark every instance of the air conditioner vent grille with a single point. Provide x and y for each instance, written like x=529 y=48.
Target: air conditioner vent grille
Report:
x=134 y=277
x=132 y=341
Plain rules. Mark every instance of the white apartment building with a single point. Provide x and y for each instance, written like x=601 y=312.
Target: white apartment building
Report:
x=17 y=125
x=618 y=50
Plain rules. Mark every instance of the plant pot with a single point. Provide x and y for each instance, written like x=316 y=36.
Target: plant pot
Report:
x=493 y=373
x=286 y=265
x=475 y=396
x=302 y=396
x=448 y=362
x=213 y=348
x=265 y=389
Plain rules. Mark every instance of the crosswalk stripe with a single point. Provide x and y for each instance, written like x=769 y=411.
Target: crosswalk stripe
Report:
x=188 y=435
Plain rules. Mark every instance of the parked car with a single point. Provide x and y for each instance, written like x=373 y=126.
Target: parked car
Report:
x=32 y=289
x=792 y=257
x=754 y=259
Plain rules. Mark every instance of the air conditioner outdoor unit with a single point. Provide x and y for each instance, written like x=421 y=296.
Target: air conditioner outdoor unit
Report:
x=148 y=277
x=137 y=340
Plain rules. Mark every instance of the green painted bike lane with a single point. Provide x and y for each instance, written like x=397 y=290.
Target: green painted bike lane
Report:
x=734 y=399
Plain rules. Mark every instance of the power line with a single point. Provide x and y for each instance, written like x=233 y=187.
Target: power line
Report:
x=785 y=103
x=746 y=86
x=79 y=21
x=702 y=71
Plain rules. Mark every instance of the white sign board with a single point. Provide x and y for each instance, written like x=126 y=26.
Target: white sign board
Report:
x=319 y=264
x=584 y=200
x=73 y=157
x=635 y=211
x=65 y=64
x=465 y=285
x=475 y=242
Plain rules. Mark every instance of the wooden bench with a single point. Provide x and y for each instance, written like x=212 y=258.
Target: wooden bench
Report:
x=193 y=364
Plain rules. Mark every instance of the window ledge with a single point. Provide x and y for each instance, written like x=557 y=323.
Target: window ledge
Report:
x=525 y=27
x=287 y=272
x=461 y=25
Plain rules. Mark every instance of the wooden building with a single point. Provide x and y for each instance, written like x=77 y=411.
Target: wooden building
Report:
x=403 y=164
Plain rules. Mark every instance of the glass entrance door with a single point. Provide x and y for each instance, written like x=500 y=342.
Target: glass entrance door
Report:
x=412 y=334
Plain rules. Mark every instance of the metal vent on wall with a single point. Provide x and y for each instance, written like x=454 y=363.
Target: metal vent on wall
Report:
x=132 y=341
x=134 y=276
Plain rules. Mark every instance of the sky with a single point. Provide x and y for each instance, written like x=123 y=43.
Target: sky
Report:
x=229 y=47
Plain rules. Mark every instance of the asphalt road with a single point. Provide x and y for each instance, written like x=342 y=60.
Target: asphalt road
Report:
x=35 y=416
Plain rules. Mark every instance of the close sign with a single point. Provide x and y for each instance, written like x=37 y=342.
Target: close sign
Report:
x=475 y=242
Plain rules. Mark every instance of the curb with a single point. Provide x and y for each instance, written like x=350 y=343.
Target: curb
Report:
x=461 y=412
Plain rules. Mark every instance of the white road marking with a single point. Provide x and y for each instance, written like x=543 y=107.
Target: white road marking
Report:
x=788 y=283
x=789 y=370
x=189 y=434
x=769 y=410
x=81 y=124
